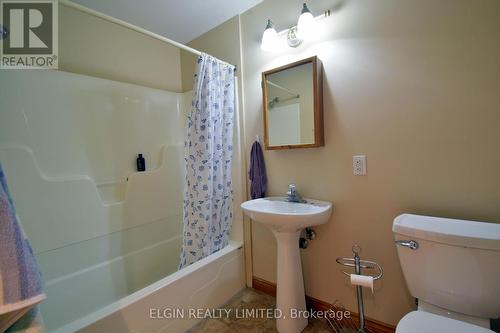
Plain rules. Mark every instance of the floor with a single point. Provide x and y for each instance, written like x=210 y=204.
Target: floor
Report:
x=251 y=299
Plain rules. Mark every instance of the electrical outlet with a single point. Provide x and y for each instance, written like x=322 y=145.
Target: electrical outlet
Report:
x=359 y=165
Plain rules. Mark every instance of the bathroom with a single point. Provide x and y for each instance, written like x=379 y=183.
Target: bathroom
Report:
x=399 y=143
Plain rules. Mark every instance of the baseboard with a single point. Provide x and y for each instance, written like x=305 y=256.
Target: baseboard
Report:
x=371 y=325
x=264 y=286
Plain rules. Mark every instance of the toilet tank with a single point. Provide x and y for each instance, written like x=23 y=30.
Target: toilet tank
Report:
x=456 y=265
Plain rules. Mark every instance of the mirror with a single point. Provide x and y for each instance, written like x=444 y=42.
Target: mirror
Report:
x=293 y=105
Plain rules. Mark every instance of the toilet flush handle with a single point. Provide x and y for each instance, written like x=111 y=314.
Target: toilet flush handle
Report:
x=407 y=243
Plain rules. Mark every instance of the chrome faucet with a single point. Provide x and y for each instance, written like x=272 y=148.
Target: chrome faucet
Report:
x=292 y=195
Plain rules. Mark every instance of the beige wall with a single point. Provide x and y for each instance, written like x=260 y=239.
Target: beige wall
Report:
x=414 y=85
x=222 y=42
x=92 y=46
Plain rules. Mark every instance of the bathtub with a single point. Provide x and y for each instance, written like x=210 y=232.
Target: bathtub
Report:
x=207 y=283
x=107 y=238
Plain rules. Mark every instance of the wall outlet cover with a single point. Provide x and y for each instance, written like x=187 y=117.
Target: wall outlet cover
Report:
x=359 y=165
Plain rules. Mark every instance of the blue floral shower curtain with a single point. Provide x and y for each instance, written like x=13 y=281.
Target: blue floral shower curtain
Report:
x=208 y=192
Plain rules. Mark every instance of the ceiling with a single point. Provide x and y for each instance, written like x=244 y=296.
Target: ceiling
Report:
x=180 y=20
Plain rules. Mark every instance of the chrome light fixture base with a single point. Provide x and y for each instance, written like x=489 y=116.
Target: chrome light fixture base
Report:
x=292 y=39
x=304 y=30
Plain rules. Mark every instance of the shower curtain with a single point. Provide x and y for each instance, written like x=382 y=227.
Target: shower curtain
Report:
x=208 y=195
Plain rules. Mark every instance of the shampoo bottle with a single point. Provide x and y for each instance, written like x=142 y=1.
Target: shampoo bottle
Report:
x=141 y=163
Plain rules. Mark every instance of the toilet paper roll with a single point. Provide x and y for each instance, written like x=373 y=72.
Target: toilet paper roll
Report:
x=362 y=280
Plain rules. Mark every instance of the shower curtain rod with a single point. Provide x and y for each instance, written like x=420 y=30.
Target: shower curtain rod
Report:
x=132 y=27
x=283 y=88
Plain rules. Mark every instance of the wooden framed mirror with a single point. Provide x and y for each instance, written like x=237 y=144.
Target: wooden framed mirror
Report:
x=293 y=105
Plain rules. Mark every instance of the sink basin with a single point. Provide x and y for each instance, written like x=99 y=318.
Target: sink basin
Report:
x=279 y=214
x=286 y=220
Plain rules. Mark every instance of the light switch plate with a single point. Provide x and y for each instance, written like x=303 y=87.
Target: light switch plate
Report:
x=359 y=165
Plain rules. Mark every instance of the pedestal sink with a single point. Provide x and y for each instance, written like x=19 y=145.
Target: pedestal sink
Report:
x=286 y=220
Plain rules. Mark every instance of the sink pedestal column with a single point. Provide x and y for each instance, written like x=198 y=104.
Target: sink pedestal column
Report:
x=290 y=296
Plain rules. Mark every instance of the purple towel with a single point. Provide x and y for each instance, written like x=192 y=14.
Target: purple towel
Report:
x=20 y=279
x=257 y=173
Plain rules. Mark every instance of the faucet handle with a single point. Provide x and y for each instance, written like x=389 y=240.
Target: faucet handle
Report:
x=291 y=189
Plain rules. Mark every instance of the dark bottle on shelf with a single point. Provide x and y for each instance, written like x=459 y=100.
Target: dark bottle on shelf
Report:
x=141 y=163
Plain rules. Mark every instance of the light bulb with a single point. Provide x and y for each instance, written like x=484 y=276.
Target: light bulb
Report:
x=269 y=38
x=306 y=24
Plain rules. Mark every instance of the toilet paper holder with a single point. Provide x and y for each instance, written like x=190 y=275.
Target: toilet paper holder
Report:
x=358 y=264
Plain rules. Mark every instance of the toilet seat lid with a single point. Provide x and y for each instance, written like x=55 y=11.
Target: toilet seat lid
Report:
x=420 y=321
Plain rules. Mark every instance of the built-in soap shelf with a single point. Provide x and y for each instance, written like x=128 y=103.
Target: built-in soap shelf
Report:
x=114 y=192
x=111 y=192
x=82 y=213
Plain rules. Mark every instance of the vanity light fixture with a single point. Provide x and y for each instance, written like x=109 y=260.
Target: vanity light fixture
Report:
x=306 y=23
x=304 y=29
x=269 y=38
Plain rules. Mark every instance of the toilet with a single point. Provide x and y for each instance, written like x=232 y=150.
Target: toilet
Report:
x=452 y=267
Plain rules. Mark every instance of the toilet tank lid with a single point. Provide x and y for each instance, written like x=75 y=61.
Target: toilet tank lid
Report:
x=479 y=235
